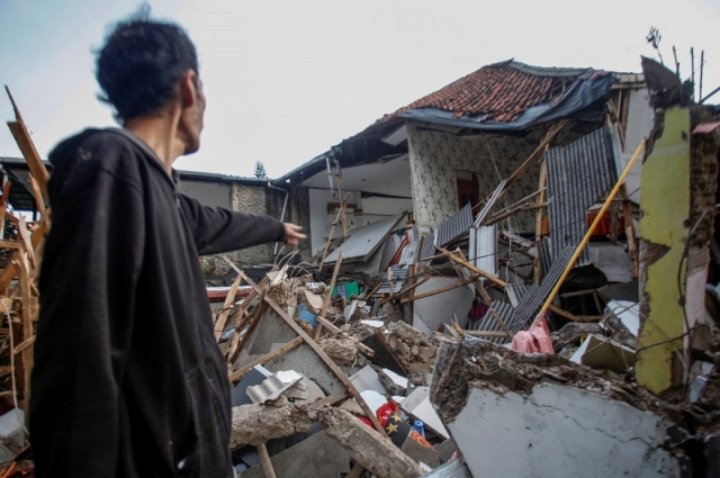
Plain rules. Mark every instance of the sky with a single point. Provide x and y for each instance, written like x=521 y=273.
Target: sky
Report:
x=285 y=80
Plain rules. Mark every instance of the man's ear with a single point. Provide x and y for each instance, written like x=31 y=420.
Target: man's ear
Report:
x=188 y=89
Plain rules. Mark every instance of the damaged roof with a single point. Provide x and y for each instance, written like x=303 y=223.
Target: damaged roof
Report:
x=505 y=97
x=501 y=91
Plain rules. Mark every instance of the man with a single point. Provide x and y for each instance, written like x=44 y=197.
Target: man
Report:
x=128 y=379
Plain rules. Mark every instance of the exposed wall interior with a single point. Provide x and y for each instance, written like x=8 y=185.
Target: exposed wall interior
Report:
x=437 y=158
x=374 y=192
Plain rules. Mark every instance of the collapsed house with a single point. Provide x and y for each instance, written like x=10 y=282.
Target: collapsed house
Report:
x=516 y=275
x=466 y=164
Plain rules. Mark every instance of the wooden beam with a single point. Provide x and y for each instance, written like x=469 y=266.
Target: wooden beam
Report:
x=252 y=322
x=539 y=214
x=27 y=317
x=630 y=233
x=27 y=148
x=328 y=296
x=471 y=267
x=265 y=460
x=282 y=350
x=509 y=212
x=539 y=151
x=321 y=354
x=329 y=239
x=431 y=293
x=221 y=321
x=484 y=333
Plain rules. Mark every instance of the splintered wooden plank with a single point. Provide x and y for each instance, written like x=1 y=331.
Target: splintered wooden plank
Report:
x=328 y=296
x=27 y=318
x=221 y=321
x=36 y=241
x=27 y=148
x=252 y=322
x=282 y=350
x=25 y=238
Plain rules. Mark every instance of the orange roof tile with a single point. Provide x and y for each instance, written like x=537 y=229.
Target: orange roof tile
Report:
x=501 y=91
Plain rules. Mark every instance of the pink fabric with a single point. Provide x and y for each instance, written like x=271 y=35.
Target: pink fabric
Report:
x=534 y=340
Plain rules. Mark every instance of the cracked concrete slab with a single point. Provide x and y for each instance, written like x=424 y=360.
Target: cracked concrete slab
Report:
x=560 y=431
x=538 y=415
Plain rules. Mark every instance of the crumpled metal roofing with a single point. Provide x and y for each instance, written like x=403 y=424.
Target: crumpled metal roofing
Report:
x=455 y=226
x=531 y=299
x=579 y=175
x=502 y=91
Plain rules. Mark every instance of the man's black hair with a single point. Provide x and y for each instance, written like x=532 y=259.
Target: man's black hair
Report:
x=140 y=65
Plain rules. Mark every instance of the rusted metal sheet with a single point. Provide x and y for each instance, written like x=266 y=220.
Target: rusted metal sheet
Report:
x=580 y=174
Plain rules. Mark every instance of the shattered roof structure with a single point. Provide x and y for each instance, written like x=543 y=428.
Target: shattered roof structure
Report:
x=504 y=97
x=501 y=92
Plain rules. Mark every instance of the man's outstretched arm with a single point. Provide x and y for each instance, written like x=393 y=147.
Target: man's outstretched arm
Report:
x=218 y=229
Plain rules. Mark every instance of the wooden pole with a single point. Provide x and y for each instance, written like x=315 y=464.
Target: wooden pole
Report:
x=537 y=264
x=283 y=349
x=265 y=460
x=328 y=296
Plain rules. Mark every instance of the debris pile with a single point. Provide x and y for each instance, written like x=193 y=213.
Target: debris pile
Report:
x=308 y=365
x=21 y=243
x=594 y=336
x=588 y=345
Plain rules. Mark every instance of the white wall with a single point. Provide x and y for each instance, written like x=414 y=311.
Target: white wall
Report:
x=373 y=209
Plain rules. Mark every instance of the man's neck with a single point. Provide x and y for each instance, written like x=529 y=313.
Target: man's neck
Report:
x=160 y=134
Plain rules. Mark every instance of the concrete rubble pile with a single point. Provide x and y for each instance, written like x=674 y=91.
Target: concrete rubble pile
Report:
x=590 y=352
x=590 y=347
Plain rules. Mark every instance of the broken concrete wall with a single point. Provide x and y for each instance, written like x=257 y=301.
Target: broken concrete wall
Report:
x=675 y=233
x=538 y=415
x=436 y=157
x=258 y=199
x=559 y=431
x=637 y=126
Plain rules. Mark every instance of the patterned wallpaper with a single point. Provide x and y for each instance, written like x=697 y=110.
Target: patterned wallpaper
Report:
x=436 y=157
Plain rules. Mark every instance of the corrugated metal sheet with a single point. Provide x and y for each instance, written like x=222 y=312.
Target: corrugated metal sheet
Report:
x=490 y=324
x=364 y=241
x=399 y=274
x=533 y=300
x=483 y=248
x=543 y=246
x=454 y=226
x=516 y=291
x=428 y=248
x=579 y=175
x=490 y=203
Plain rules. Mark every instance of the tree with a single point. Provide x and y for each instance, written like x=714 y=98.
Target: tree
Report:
x=260 y=171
